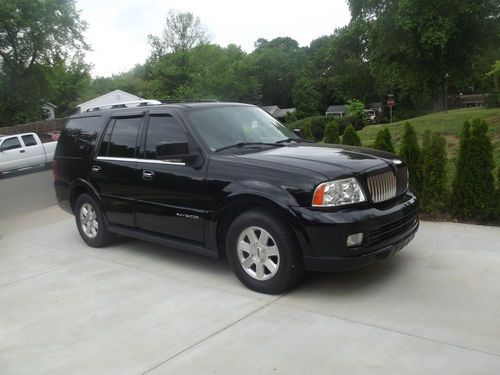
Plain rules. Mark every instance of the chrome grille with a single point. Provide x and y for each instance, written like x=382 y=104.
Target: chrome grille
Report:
x=382 y=186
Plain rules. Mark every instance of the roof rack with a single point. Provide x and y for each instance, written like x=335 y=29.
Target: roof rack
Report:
x=134 y=103
x=172 y=101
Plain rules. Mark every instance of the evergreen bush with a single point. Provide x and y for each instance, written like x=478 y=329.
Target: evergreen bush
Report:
x=411 y=154
x=351 y=137
x=332 y=133
x=434 y=191
x=473 y=189
x=384 y=141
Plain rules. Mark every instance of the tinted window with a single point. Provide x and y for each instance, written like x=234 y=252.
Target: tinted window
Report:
x=224 y=126
x=29 y=140
x=103 y=148
x=78 y=136
x=163 y=129
x=123 y=140
x=11 y=144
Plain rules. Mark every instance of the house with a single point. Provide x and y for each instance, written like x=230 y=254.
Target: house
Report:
x=472 y=100
x=117 y=96
x=48 y=111
x=336 y=110
x=277 y=112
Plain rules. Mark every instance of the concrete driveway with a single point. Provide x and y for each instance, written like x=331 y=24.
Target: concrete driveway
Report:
x=136 y=308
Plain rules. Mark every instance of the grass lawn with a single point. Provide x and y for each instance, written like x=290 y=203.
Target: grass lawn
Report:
x=448 y=124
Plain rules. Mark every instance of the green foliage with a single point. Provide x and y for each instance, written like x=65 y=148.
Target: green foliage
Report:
x=473 y=189
x=351 y=137
x=182 y=32
x=410 y=45
x=332 y=134
x=307 y=133
x=33 y=35
x=67 y=81
x=355 y=108
x=306 y=98
x=384 y=141
x=410 y=152
x=290 y=117
x=314 y=124
x=434 y=191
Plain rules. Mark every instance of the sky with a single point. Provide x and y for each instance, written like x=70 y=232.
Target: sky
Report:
x=118 y=29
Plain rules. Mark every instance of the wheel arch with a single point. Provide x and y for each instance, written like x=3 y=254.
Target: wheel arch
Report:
x=237 y=205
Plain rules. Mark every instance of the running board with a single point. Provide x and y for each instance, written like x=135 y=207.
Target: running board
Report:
x=178 y=244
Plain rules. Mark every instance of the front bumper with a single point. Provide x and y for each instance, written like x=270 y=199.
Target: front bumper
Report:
x=387 y=229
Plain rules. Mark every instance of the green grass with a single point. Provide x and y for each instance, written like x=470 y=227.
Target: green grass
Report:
x=448 y=124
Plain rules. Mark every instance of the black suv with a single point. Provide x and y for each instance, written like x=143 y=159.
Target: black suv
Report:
x=226 y=178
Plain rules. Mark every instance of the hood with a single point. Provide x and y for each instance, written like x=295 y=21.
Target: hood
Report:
x=330 y=161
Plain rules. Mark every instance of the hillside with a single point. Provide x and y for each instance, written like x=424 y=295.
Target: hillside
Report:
x=449 y=124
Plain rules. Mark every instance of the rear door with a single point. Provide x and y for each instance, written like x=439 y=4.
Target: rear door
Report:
x=172 y=196
x=35 y=153
x=114 y=170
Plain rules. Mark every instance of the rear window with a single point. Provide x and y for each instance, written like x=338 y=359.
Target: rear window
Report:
x=78 y=136
x=29 y=140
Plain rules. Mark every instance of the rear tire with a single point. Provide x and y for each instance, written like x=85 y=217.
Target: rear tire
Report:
x=263 y=252
x=91 y=223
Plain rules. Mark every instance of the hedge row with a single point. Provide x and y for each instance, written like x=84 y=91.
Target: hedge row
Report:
x=314 y=128
x=473 y=195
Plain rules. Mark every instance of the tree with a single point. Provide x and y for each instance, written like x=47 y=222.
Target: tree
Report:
x=434 y=193
x=32 y=35
x=473 y=189
x=384 y=141
x=68 y=80
x=411 y=45
x=351 y=137
x=332 y=133
x=182 y=32
x=277 y=65
x=410 y=152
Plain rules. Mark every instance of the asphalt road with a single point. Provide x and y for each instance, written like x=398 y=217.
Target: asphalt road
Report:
x=25 y=192
x=139 y=308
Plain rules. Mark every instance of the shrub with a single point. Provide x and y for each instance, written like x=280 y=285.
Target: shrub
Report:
x=344 y=122
x=332 y=133
x=434 y=191
x=306 y=132
x=384 y=141
x=473 y=189
x=315 y=125
x=350 y=137
x=410 y=152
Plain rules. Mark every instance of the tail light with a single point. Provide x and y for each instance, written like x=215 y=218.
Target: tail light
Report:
x=55 y=172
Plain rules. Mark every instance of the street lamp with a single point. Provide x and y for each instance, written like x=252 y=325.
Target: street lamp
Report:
x=446 y=76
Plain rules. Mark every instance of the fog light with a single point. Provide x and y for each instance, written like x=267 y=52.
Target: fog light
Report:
x=354 y=239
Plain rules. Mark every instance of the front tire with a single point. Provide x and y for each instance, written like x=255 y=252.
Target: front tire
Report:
x=263 y=252
x=91 y=223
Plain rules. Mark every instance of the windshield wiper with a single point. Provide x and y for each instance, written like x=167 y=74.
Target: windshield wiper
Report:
x=243 y=144
x=288 y=140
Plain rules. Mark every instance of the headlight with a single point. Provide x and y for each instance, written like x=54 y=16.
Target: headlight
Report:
x=338 y=193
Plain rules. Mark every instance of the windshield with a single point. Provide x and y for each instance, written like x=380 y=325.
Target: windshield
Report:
x=225 y=126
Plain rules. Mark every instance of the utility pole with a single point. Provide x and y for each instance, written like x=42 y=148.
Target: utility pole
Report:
x=446 y=76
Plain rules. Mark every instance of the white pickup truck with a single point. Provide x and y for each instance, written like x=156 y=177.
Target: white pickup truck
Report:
x=23 y=151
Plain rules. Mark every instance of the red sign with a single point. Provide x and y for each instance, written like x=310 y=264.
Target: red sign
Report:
x=391 y=102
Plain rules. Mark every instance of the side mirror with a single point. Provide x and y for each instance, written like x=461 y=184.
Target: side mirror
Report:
x=175 y=151
x=297 y=132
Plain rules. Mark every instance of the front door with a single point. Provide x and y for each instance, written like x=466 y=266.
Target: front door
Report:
x=171 y=196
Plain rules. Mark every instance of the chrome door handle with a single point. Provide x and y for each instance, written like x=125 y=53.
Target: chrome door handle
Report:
x=148 y=175
x=96 y=169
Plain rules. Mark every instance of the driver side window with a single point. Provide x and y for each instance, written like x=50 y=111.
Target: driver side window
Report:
x=11 y=144
x=162 y=129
